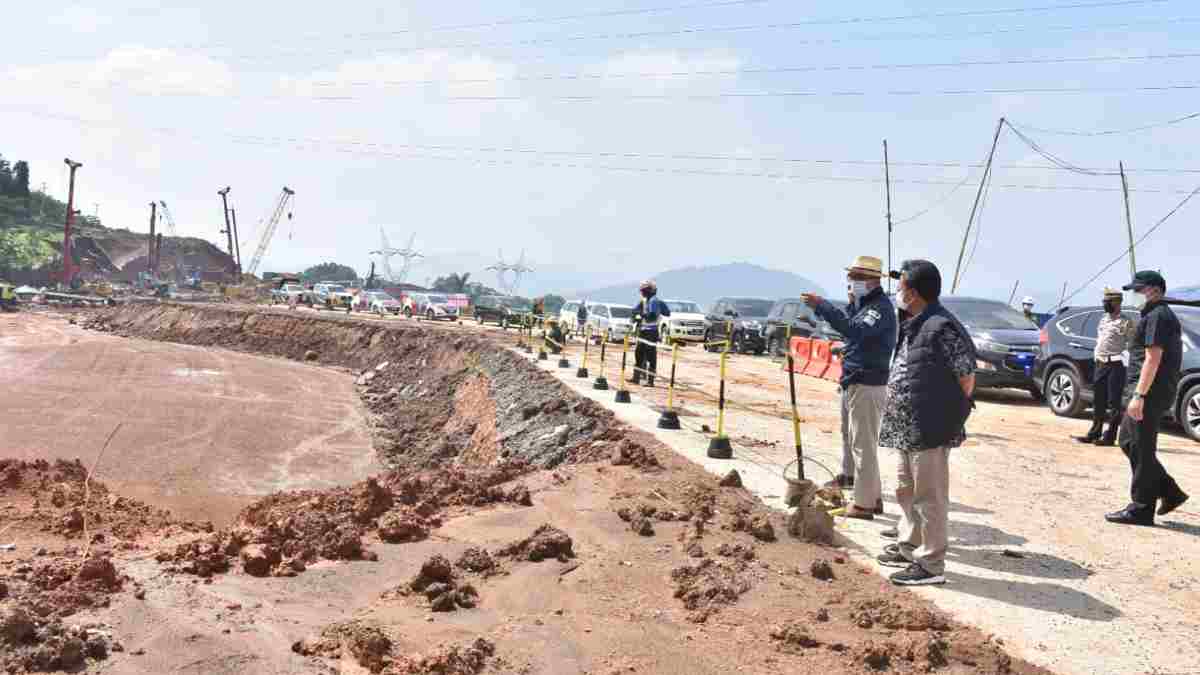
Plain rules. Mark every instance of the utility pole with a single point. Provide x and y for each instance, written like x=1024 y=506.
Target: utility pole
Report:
x=151 y=263
x=237 y=243
x=987 y=170
x=1128 y=220
x=228 y=231
x=1012 y=296
x=68 y=264
x=887 y=181
x=1063 y=297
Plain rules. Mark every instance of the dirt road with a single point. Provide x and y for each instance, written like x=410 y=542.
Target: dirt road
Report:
x=203 y=432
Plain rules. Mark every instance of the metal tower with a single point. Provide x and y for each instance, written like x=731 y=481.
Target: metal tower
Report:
x=508 y=284
x=386 y=253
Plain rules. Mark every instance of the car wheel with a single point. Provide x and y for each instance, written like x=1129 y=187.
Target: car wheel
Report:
x=408 y=312
x=1063 y=392
x=1189 y=413
x=429 y=315
x=773 y=347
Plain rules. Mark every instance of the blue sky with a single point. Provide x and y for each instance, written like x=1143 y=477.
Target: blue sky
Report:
x=398 y=119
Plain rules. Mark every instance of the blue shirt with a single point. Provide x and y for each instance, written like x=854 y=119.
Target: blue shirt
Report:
x=869 y=329
x=650 y=310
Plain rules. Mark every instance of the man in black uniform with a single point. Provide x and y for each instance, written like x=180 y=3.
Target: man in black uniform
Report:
x=1155 y=357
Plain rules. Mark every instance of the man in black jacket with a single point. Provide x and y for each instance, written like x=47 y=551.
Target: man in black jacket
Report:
x=868 y=326
x=928 y=402
x=1155 y=358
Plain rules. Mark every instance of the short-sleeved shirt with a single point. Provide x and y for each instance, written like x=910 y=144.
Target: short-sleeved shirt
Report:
x=900 y=427
x=1159 y=327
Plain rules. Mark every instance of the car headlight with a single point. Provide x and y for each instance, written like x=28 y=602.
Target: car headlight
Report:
x=752 y=325
x=986 y=345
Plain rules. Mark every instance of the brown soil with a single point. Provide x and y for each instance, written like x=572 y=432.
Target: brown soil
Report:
x=719 y=587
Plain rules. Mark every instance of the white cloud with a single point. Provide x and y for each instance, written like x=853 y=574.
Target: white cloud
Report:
x=134 y=68
x=409 y=75
x=668 y=69
x=80 y=19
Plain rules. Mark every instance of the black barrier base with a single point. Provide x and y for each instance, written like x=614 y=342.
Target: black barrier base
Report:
x=542 y=356
x=720 y=448
x=563 y=363
x=600 y=383
x=581 y=373
x=623 y=396
x=527 y=349
x=668 y=420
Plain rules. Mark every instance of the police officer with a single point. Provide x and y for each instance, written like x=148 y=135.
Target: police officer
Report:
x=1113 y=336
x=647 y=314
x=868 y=326
x=1155 y=357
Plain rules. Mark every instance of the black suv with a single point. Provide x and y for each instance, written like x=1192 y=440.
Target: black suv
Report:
x=746 y=317
x=502 y=310
x=804 y=323
x=1006 y=343
x=1065 y=366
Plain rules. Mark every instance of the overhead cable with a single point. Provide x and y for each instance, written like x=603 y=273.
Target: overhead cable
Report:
x=1110 y=132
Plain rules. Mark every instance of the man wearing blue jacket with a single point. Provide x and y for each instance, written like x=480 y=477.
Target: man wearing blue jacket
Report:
x=868 y=326
x=647 y=314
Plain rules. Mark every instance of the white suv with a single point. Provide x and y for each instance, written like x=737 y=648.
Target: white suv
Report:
x=568 y=318
x=687 y=322
x=616 y=319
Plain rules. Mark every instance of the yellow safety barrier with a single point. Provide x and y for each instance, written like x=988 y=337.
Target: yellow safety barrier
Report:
x=719 y=446
x=669 y=418
x=601 y=383
x=622 y=391
x=542 y=356
x=587 y=340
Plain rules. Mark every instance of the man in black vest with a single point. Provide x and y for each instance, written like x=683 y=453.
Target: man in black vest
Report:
x=928 y=402
x=1155 y=357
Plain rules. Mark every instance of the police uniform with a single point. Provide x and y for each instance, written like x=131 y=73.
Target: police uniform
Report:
x=1113 y=336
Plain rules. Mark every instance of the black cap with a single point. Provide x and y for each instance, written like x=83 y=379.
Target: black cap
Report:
x=1146 y=278
x=923 y=277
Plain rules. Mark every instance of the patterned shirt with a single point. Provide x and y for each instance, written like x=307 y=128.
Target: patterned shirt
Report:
x=900 y=430
x=1113 y=335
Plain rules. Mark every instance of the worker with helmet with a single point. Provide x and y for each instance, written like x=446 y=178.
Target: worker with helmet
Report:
x=647 y=315
x=1027 y=308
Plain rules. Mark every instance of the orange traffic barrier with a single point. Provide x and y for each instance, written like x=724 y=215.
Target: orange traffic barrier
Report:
x=801 y=350
x=818 y=363
x=834 y=373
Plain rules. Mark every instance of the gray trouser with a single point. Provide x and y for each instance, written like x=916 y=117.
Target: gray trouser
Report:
x=923 y=492
x=862 y=407
x=847 y=456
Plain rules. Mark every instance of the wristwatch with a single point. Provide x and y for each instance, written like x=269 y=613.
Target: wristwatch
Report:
x=1136 y=396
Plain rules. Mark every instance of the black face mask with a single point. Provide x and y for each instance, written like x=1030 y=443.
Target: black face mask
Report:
x=647 y=293
x=1110 y=306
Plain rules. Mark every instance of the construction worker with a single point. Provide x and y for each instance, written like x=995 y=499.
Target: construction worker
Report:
x=1155 y=358
x=557 y=339
x=868 y=326
x=581 y=316
x=1113 y=336
x=1027 y=308
x=8 y=298
x=929 y=393
x=647 y=315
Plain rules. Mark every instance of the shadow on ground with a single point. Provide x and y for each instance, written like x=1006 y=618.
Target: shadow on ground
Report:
x=1044 y=596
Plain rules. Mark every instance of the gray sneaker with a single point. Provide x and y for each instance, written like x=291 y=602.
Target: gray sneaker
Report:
x=892 y=556
x=915 y=575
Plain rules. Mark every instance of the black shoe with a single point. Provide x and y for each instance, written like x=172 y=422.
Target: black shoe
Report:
x=890 y=533
x=893 y=557
x=1106 y=441
x=1091 y=436
x=1169 y=505
x=650 y=382
x=915 y=575
x=1129 y=517
x=879 y=507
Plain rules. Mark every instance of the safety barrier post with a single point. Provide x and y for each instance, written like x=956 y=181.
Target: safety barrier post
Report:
x=601 y=383
x=622 y=392
x=587 y=339
x=791 y=363
x=669 y=418
x=542 y=356
x=562 y=350
x=720 y=447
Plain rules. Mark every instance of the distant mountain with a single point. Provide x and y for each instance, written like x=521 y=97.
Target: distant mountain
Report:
x=706 y=284
x=1185 y=293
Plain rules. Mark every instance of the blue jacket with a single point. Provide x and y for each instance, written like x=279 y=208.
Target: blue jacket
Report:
x=869 y=328
x=649 y=311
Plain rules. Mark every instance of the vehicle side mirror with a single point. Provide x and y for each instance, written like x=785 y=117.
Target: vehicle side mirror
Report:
x=730 y=312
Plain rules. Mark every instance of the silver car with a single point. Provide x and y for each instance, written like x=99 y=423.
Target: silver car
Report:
x=617 y=320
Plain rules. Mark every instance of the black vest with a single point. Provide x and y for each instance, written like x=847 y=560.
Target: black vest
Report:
x=940 y=406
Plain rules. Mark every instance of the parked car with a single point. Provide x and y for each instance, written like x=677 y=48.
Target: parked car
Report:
x=1006 y=343
x=686 y=323
x=744 y=318
x=383 y=304
x=431 y=306
x=617 y=320
x=568 y=317
x=1065 y=367
x=794 y=313
x=329 y=296
x=503 y=310
x=284 y=293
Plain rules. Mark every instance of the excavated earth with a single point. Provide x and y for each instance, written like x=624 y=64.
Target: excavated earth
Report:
x=515 y=528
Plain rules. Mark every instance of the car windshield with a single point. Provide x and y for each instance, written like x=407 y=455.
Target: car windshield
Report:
x=380 y=295
x=336 y=289
x=752 y=307
x=684 y=307
x=440 y=299
x=1190 y=318
x=621 y=312
x=292 y=287
x=988 y=315
x=516 y=303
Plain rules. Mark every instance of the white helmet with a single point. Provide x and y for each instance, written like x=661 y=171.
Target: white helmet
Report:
x=648 y=283
x=1027 y=300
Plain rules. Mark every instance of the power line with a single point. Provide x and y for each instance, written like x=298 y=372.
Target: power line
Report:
x=762 y=70
x=936 y=203
x=1056 y=160
x=1132 y=246
x=1110 y=132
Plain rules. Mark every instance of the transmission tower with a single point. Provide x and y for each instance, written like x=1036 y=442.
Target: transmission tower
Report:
x=408 y=254
x=508 y=275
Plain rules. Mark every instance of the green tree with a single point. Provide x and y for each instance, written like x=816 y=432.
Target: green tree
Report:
x=20 y=176
x=329 y=272
x=554 y=303
x=6 y=177
x=452 y=283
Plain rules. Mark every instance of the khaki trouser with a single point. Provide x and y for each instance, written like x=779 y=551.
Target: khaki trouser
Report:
x=924 y=496
x=864 y=407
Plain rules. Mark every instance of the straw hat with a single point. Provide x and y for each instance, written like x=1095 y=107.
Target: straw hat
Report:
x=1110 y=292
x=868 y=265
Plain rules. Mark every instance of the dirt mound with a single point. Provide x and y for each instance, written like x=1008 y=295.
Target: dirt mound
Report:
x=794 y=638
x=736 y=551
x=758 y=525
x=631 y=453
x=29 y=643
x=403 y=525
x=546 y=542
x=59 y=586
x=478 y=561
x=821 y=569
x=456 y=660
x=438 y=583
x=366 y=642
x=709 y=585
x=432 y=491
x=887 y=614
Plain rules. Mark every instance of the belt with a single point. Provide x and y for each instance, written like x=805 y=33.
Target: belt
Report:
x=1108 y=359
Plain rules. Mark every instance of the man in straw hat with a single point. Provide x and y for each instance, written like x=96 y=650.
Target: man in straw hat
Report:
x=1113 y=336
x=868 y=326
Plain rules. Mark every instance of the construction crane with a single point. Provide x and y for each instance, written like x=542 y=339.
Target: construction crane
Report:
x=169 y=219
x=269 y=230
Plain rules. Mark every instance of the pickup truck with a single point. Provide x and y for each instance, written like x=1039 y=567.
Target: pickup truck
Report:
x=285 y=292
x=329 y=296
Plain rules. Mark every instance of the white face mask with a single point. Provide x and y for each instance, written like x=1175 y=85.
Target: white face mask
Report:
x=901 y=302
x=859 y=289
